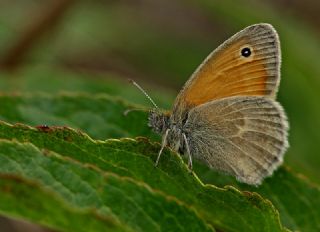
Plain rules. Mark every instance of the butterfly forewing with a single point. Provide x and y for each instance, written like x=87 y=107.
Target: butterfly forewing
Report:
x=247 y=64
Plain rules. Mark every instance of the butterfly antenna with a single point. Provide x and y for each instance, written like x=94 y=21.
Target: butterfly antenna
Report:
x=144 y=92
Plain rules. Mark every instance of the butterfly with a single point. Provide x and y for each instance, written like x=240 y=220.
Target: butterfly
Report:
x=226 y=114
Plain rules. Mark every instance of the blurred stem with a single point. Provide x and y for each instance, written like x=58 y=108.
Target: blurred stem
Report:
x=44 y=22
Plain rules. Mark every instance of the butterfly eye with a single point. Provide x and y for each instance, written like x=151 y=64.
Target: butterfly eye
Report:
x=246 y=52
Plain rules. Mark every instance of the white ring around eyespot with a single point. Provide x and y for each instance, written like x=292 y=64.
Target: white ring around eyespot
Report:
x=249 y=58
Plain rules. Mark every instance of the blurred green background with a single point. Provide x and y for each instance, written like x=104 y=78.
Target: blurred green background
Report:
x=94 y=46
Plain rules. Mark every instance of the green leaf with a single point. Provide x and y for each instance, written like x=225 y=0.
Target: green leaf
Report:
x=22 y=198
x=127 y=165
x=290 y=193
x=132 y=203
x=100 y=116
x=279 y=188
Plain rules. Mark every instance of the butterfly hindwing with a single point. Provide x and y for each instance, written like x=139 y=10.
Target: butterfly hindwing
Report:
x=243 y=136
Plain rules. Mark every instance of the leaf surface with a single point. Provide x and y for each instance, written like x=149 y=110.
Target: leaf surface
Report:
x=134 y=159
x=132 y=162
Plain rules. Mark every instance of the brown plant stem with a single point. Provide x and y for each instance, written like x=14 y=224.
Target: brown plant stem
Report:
x=42 y=23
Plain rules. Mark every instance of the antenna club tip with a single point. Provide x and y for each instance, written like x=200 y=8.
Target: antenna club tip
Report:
x=130 y=80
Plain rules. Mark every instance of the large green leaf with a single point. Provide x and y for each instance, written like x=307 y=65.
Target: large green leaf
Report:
x=83 y=185
x=134 y=159
x=71 y=161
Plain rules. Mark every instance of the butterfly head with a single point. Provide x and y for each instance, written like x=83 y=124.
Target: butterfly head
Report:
x=158 y=121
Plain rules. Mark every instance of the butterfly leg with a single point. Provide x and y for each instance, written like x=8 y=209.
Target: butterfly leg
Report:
x=188 y=152
x=164 y=143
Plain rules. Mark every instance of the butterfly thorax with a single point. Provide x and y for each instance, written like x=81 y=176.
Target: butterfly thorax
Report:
x=162 y=122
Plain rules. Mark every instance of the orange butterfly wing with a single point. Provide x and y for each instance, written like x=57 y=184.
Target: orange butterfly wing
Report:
x=230 y=71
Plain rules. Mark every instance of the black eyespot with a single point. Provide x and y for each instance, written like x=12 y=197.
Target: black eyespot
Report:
x=246 y=52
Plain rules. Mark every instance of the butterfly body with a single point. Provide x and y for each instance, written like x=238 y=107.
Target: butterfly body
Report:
x=226 y=114
x=161 y=123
